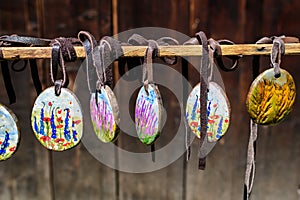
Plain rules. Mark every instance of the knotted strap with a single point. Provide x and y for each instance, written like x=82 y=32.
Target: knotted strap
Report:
x=138 y=40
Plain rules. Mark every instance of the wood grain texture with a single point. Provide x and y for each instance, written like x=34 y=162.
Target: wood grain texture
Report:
x=11 y=53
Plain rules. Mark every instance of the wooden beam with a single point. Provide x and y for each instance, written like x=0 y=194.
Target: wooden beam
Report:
x=11 y=53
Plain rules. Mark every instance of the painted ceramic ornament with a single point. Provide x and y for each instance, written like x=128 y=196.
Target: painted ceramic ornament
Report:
x=9 y=133
x=148 y=112
x=271 y=99
x=57 y=120
x=218 y=112
x=105 y=114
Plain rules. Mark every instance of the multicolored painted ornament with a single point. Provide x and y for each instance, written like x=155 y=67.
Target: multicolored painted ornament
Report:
x=218 y=112
x=57 y=121
x=105 y=114
x=9 y=133
x=148 y=114
x=271 y=99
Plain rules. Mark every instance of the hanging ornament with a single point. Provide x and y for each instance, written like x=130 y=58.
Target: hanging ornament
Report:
x=148 y=112
x=218 y=112
x=148 y=108
x=272 y=94
x=9 y=133
x=217 y=104
x=56 y=116
x=105 y=114
x=104 y=109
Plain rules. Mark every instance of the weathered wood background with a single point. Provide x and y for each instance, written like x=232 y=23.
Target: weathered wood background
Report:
x=34 y=173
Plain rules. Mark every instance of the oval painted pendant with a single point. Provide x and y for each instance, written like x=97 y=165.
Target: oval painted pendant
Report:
x=218 y=112
x=270 y=99
x=9 y=133
x=104 y=111
x=57 y=120
x=148 y=114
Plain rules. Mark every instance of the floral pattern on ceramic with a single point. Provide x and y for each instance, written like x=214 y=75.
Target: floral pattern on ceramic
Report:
x=270 y=99
x=105 y=114
x=57 y=120
x=9 y=133
x=148 y=114
x=218 y=112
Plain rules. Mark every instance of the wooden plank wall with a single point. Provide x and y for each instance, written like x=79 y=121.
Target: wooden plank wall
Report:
x=35 y=173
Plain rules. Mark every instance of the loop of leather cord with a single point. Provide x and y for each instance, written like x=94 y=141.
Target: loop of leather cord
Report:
x=202 y=39
x=277 y=52
x=151 y=53
x=57 y=59
x=138 y=40
x=66 y=47
x=110 y=50
x=278 y=49
x=89 y=43
x=219 y=59
x=218 y=53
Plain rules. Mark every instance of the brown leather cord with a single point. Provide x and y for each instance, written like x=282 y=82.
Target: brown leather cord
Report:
x=138 y=40
x=110 y=50
x=67 y=48
x=219 y=58
x=57 y=59
x=15 y=40
x=89 y=43
x=151 y=53
x=202 y=39
x=250 y=167
x=277 y=52
x=7 y=82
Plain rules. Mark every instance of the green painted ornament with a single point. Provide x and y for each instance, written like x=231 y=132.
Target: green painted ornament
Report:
x=148 y=114
x=104 y=112
x=270 y=99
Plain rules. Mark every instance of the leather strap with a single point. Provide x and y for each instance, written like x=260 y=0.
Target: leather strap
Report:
x=7 y=82
x=138 y=40
x=202 y=39
x=15 y=40
x=151 y=53
x=89 y=43
x=277 y=52
x=23 y=41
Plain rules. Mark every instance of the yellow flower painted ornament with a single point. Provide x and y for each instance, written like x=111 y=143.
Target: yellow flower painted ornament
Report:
x=272 y=94
x=271 y=99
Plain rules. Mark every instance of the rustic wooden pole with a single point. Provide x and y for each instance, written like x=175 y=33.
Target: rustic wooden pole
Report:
x=11 y=53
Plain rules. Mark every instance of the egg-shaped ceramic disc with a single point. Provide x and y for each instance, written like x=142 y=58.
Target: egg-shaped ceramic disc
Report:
x=271 y=99
x=57 y=120
x=148 y=114
x=218 y=112
x=104 y=112
x=9 y=133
